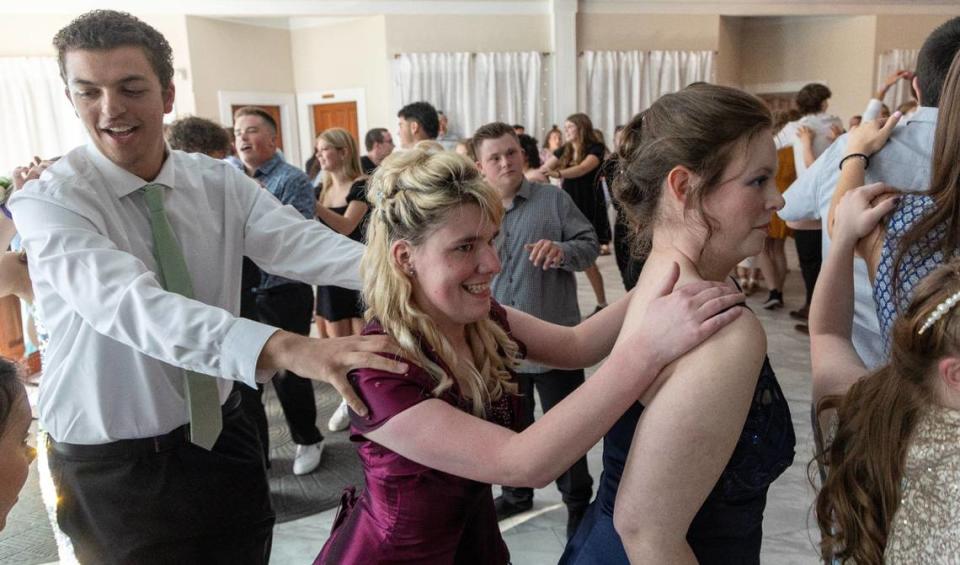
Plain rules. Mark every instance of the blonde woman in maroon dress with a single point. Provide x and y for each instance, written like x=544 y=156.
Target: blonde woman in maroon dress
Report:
x=437 y=436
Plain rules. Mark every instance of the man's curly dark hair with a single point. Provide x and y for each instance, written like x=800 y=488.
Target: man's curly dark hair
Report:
x=99 y=30
x=11 y=389
x=198 y=135
x=811 y=97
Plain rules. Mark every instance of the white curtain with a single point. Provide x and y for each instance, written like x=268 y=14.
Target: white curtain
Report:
x=37 y=118
x=473 y=89
x=613 y=86
x=890 y=62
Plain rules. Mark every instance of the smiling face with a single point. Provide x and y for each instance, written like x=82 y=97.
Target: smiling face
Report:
x=501 y=163
x=121 y=103
x=741 y=206
x=15 y=455
x=331 y=158
x=570 y=132
x=453 y=268
x=255 y=140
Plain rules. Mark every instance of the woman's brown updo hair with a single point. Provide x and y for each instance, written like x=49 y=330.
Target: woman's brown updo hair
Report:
x=702 y=127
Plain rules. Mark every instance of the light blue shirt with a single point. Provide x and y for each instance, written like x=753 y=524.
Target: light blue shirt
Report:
x=292 y=187
x=903 y=163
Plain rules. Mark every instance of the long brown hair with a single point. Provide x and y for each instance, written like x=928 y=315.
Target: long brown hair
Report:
x=702 y=127
x=877 y=418
x=944 y=184
x=575 y=151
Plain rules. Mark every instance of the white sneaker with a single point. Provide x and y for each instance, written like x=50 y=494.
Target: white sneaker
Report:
x=308 y=458
x=340 y=420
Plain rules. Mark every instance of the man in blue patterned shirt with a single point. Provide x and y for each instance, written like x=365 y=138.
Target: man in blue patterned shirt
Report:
x=544 y=239
x=282 y=302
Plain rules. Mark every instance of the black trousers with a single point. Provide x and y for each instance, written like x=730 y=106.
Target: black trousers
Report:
x=575 y=484
x=179 y=504
x=810 y=254
x=251 y=399
x=290 y=307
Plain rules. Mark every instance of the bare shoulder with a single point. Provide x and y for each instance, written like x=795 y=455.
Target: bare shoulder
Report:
x=732 y=359
x=743 y=341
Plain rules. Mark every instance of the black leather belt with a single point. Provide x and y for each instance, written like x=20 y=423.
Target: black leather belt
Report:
x=138 y=446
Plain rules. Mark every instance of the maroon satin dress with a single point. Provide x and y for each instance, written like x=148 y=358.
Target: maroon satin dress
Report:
x=410 y=513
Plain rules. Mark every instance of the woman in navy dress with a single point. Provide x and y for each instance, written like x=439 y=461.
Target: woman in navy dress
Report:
x=686 y=469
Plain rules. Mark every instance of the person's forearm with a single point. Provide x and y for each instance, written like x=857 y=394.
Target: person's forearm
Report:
x=334 y=221
x=594 y=337
x=277 y=351
x=808 y=157
x=551 y=164
x=835 y=363
x=852 y=175
x=577 y=171
x=831 y=309
x=542 y=452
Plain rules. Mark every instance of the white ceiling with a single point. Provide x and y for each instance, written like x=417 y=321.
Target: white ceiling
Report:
x=308 y=13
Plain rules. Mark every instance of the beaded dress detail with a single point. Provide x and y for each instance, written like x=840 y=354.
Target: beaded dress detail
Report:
x=926 y=525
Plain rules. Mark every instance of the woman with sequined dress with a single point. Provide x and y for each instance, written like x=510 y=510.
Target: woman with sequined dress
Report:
x=892 y=490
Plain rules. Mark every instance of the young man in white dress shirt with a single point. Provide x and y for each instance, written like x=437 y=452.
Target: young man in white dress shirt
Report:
x=132 y=486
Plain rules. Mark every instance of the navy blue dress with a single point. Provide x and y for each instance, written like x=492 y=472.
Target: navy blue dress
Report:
x=728 y=528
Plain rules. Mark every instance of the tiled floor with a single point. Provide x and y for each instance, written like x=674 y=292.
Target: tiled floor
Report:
x=538 y=537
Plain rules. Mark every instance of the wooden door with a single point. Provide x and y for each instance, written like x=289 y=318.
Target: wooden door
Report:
x=11 y=328
x=274 y=112
x=336 y=115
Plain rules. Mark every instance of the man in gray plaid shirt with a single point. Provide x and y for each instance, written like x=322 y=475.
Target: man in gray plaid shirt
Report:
x=544 y=239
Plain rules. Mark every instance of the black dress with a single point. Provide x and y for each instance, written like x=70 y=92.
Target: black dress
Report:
x=336 y=303
x=587 y=194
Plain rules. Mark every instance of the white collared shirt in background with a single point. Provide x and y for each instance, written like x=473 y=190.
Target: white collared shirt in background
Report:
x=118 y=340
x=903 y=163
x=820 y=124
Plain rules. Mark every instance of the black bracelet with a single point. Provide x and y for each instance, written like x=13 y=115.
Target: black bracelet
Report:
x=866 y=160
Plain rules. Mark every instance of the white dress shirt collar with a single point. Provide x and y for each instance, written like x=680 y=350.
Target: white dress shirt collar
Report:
x=121 y=181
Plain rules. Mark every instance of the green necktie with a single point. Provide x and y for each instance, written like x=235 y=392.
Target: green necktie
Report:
x=202 y=394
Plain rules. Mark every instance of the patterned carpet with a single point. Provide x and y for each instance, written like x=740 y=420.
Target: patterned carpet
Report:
x=295 y=497
x=28 y=538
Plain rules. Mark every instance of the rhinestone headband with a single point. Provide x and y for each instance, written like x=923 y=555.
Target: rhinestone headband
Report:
x=939 y=312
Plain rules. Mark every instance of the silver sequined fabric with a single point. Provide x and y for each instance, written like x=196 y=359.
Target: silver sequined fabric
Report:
x=926 y=526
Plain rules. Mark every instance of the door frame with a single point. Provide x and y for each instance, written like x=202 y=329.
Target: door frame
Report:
x=288 y=116
x=315 y=98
